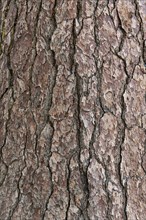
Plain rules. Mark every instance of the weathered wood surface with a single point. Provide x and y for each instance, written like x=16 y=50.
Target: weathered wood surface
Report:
x=72 y=110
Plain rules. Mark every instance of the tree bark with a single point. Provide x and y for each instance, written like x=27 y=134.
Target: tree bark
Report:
x=72 y=110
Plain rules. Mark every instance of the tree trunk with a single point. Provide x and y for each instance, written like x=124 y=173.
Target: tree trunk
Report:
x=73 y=110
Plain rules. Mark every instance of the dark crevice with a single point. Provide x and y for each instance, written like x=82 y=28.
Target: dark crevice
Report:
x=141 y=30
x=143 y=157
x=49 y=105
x=74 y=69
x=34 y=48
x=82 y=169
x=144 y=52
x=123 y=130
x=18 y=183
x=122 y=31
x=79 y=10
x=123 y=108
x=109 y=200
x=31 y=82
x=68 y=189
x=11 y=80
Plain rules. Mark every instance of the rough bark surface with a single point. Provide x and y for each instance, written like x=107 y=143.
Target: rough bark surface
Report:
x=72 y=110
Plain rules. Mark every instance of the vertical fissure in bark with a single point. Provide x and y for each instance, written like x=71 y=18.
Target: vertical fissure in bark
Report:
x=49 y=105
x=144 y=52
x=18 y=197
x=72 y=69
x=122 y=31
x=123 y=126
x=10 y=84
x=109 y=200
x=50 y=170
x=144 y=155
x=141 y=31
x=79 y=10
x=82 y=170
x=123 y=109
x=34 y=50
x=68 y=188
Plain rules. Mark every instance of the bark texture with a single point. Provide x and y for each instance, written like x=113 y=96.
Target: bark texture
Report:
x=72 y=110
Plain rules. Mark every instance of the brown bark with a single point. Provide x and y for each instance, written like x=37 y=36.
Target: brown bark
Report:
x=72 y=110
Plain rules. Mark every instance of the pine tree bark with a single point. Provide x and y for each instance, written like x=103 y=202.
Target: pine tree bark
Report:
x=72 y=110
